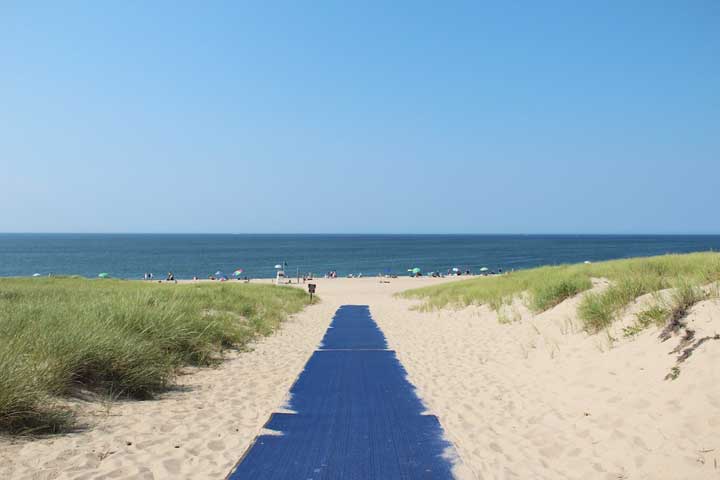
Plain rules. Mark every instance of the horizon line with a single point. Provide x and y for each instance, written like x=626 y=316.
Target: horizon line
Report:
x=380 y=233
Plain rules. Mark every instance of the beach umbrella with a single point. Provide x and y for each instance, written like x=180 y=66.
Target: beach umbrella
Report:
x=219 y=274
x=36 y=274
x=484 y=269
x=416 y=270
x=455 y=269
x=238 y=272
x=104 y=275
x=587 y=262
x=278 y=266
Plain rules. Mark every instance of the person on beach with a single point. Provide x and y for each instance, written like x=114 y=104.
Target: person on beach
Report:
x=170 y=277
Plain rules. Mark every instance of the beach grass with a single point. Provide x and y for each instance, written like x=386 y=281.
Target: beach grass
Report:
x=548 y=286
x=60 y=336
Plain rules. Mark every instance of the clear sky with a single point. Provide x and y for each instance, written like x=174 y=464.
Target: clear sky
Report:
x=369 y=117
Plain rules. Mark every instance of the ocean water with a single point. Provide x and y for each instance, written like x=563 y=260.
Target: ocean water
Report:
x=131 y=255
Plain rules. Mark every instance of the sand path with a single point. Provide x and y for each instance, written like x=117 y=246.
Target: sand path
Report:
x=200 y=429
x=537 y=398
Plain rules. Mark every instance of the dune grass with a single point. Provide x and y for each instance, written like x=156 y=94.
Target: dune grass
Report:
x=548 y=286
x=636 y=277
x=60 y=336
x=657 y=314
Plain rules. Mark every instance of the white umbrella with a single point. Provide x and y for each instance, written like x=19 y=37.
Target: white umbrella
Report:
x=36 y=274
x=278 y=266
x=484 y=269
x=455 y=269
x=587 y=262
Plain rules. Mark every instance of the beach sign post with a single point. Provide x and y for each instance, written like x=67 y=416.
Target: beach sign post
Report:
x=311 y=290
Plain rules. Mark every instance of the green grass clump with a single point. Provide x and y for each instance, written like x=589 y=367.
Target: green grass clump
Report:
x=25 y=402
x=654 y=315
x=637 y=277
x=62 y=335
x=548 y=286
x=670 y=312
x=684 y=296
x=556 y=289
x=598 y=310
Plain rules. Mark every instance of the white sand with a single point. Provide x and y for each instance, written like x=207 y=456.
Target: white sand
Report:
x=533 y=399
x=539 y=399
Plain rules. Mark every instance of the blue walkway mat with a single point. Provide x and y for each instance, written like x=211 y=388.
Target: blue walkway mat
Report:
x=357 y=416
x=353 y=328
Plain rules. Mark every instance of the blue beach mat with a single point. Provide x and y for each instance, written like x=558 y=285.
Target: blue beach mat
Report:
x=352 y=328
x=357 y=416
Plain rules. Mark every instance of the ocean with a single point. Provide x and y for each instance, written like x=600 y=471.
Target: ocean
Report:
x=186 y=255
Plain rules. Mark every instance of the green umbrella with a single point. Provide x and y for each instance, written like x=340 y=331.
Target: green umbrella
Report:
x=416 y=270
x=104 y=275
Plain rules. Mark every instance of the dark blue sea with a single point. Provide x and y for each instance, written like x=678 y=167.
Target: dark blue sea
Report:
x=131 y=255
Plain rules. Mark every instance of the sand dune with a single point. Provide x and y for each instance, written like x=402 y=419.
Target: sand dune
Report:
x=539 y=398
x=534 y=398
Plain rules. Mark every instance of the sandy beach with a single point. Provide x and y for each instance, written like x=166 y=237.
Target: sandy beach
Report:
x=165 y=163
x=535 y=398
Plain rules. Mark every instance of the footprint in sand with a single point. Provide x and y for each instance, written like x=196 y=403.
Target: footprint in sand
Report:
x=551 y=451
x=172 y=465
x=574 y=452
x=168 y=427
x=216 y=445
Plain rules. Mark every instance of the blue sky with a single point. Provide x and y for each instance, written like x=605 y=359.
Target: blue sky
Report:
x=407 y=117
